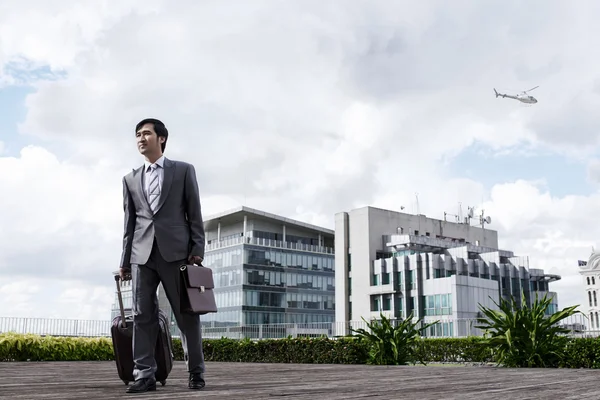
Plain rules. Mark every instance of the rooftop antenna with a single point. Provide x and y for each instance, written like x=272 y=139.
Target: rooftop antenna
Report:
x=484 y=220
x=470 y=215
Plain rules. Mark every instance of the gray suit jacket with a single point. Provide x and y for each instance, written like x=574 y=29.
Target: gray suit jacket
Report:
x=177 y=223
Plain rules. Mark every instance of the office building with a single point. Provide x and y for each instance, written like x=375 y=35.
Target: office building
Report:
x=397 y=263
x=269 y=269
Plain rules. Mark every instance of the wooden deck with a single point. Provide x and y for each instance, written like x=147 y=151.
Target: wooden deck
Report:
x=99 y=380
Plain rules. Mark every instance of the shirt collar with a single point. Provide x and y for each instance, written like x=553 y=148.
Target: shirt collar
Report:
x=160 y=162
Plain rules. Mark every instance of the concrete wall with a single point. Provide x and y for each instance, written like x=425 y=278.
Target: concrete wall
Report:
x=470 y=292
x=341 y=268
x=386 y=222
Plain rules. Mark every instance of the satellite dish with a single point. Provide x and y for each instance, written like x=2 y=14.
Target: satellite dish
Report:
x=488 y=219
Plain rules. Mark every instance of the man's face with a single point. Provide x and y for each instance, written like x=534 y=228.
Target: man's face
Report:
x=148 y=141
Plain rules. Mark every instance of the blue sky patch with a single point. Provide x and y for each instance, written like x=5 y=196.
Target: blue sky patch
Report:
x=13 y=112
x=563 y=176
x=22 y=74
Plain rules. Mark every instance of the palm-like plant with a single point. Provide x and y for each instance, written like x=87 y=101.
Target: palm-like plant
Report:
x=523 y=336
x=392 y=344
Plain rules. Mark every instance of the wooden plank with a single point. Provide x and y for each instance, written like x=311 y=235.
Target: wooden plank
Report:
x=99 y=380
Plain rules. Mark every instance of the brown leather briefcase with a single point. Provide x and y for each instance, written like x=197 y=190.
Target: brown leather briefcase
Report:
x=197 y=284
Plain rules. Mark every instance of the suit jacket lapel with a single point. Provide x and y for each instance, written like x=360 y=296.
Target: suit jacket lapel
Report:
x=169 y=172
x=140 y=188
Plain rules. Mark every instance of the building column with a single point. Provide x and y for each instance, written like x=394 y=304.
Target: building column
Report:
x=219 y=232
x=245 y=227
x=320 y=240
x=284 y=233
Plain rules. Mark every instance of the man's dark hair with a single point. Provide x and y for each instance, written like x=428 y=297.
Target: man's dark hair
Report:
x=159 y=128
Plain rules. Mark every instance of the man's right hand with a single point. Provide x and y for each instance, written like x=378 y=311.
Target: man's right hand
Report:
x=125 y=274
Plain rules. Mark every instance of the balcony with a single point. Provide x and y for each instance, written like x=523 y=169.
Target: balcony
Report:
x=383 y=289
x=269 y=243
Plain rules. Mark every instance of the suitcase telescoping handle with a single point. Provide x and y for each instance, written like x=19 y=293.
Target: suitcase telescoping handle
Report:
x=120 y=297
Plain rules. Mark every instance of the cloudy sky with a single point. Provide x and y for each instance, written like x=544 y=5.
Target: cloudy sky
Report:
x=301 y=108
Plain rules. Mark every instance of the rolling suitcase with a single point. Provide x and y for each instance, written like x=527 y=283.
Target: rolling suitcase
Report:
x=122 y=335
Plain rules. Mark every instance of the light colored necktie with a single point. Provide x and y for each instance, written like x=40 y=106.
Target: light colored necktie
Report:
x=153 y=188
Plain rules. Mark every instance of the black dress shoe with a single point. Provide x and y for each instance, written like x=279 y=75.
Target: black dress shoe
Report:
x=196 y=381
x=142 y=385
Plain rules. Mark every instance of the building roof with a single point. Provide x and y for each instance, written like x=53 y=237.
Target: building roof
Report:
x=237 y=215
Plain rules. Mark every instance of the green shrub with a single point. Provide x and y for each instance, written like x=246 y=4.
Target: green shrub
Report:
x=393 y=344
x=470 y=350
x=578 y=353
x=524 y=336
x=581 y=353
x=16 y=347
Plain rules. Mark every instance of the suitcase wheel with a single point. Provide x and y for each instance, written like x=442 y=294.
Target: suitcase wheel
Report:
x=163 y=383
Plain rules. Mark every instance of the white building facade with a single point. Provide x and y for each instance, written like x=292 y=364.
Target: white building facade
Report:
x=590 y=271
x=396 y=263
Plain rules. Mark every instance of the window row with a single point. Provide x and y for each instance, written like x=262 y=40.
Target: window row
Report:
x=387 y=302
x=288 y=238
x=282 y=258
x=239 y=317
x=223 y=258
x=289 y=300
x=441 y=329
x=439 y=304
x=594 y=323
x=274 y=257
x=259 y=318
x=385 y=279
x=230 y=317
x=507 y=283
x=289 y=279
x=272 y=278
x=229 y=298
x=591 y=280
x=595 y=298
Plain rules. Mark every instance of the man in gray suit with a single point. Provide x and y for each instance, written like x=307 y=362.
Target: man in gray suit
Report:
x=163 y=229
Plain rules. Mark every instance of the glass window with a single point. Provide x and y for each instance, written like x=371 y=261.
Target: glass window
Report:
x=387 y=303
x=385 y=278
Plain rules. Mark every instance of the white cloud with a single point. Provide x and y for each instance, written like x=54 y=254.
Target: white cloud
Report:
x=300 y=109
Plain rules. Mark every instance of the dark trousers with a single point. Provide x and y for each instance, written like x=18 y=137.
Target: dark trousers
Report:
x=144 y=281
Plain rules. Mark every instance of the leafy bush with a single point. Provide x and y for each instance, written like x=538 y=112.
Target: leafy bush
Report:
x=291 y=350
x=469 y=350
x=578 y=353
x=392 y=344
x=16 y=347
x=524 y=336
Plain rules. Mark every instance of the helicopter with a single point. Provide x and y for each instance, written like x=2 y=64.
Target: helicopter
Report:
x=523 y=97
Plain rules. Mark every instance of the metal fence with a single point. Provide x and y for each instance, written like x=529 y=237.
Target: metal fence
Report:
x=446 y=327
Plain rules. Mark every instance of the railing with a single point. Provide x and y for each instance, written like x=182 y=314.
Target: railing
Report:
x=56 y=327
x=269 y=243
x=447 y=327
